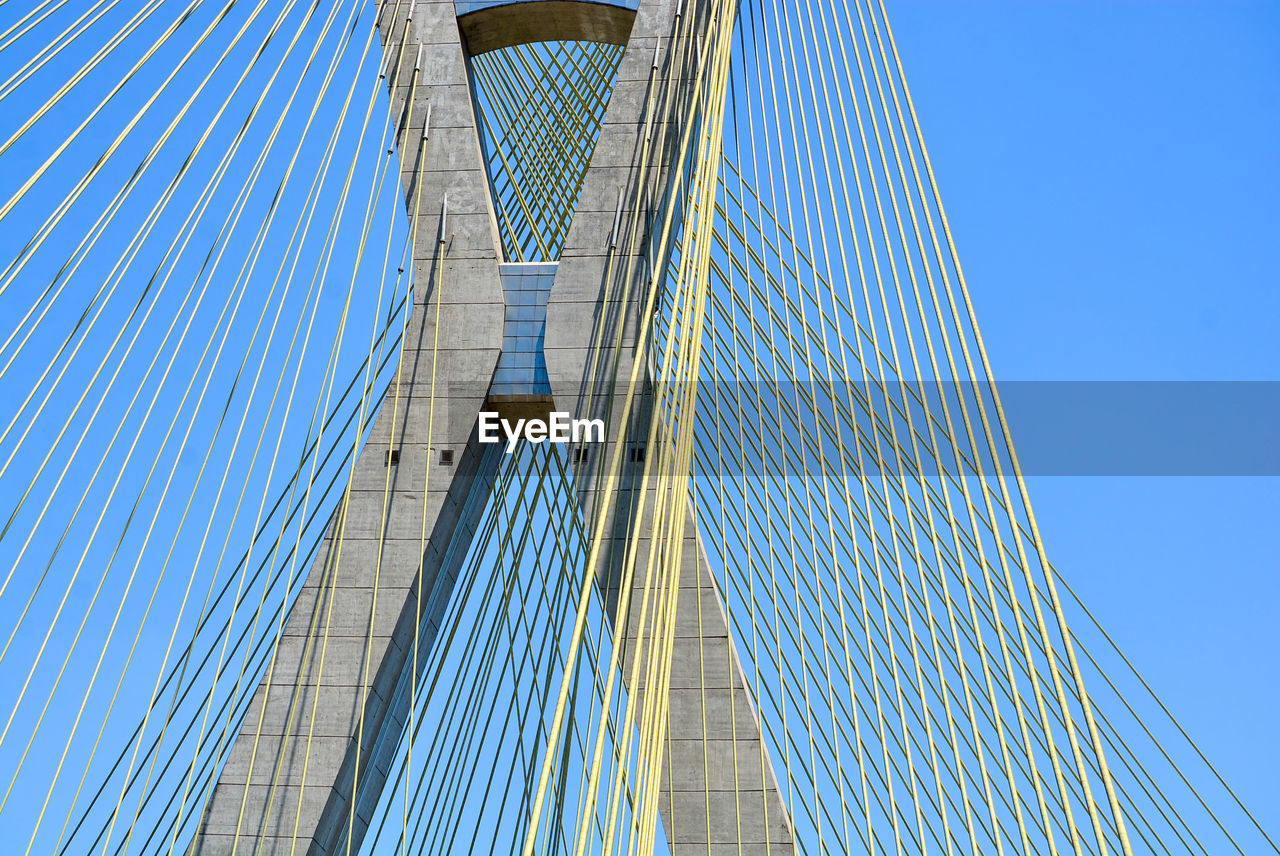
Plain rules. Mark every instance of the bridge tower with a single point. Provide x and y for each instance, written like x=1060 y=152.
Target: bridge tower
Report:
x=527 y=300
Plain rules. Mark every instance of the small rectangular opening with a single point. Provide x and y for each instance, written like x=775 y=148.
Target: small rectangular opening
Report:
x=446 y=457
x=579 y=455
x=637 y=454
x=391 y=458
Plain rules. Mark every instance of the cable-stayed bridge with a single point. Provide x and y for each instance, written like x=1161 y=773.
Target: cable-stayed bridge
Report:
x=269 y=267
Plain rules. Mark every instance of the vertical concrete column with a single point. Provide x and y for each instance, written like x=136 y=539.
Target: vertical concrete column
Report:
x=719 y=793
x=321 y=731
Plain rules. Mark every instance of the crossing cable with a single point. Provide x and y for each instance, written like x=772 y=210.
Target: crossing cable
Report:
x=79 y=565
x=395 y=412
x=1004 y=649
x=658 y=656
x=183 y=687
x=1021 y=633
x=83 y=499
x=910 y=635
x=619 y=785
x=439 y=654
x=378 y=188
x=340 y=522
x=614 y=463
x=1168 y=714
x=550 y=487
x=555 y=134
x=118 y=273
x=1117 y=814
x=607 y=374
x=796 y=805
x=547 y=102
x=760 y=36
x=809 y=549
x=960 y=540
x=313 y=294
x=164 y=565
x=909 y=524
x=1219 y=822
x=881 y=720
x=322 y=270
x=290 y=717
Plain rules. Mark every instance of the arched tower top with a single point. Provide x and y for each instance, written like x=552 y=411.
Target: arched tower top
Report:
x=488 y=25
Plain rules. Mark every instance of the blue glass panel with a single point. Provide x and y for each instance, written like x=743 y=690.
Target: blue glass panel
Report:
x=522 y=368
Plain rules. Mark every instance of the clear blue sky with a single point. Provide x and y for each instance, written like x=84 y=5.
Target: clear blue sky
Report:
x=1110 y=172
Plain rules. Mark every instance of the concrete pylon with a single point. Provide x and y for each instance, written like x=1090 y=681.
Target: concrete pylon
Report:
x=329 y=709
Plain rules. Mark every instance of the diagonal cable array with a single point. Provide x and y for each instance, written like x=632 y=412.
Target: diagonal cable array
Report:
x=905 y=638
x=468 y=758
x=539 y=107
x=194 y=357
